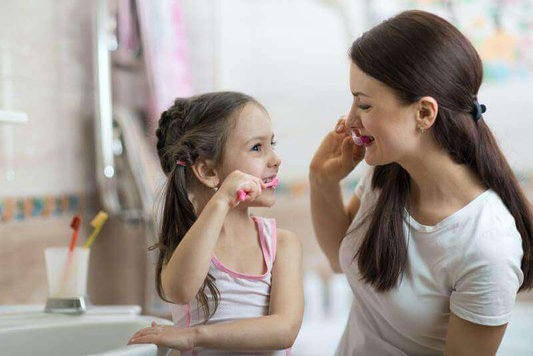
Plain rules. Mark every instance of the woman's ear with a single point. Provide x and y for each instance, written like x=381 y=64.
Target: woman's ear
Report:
x=428 y=108
x=205 y=172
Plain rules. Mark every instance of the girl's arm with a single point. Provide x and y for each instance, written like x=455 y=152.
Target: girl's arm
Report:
x=466 y=338
x=276 y=331
x=185 y=273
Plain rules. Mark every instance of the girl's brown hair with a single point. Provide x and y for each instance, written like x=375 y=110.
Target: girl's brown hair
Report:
x=193 y=127
x=419 y=54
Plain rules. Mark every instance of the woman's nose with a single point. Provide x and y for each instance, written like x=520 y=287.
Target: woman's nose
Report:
x=353 y=121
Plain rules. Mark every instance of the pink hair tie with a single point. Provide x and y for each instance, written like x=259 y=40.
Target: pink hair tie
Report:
x=181 y=163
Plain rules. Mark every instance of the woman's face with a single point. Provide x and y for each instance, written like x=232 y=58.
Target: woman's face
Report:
x=376 y=112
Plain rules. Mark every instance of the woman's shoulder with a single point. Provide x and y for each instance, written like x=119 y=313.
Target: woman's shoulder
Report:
x=494 y=222
x=498 y=212
x=494 y=238
x=493 y=229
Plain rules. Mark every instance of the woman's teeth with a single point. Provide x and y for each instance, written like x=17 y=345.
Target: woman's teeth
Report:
x=362 y=140
x=367 y=139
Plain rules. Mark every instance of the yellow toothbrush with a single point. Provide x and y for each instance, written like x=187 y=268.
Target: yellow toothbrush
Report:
x=97 y=223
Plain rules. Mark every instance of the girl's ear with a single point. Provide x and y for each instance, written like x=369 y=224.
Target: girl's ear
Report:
x=205 y=172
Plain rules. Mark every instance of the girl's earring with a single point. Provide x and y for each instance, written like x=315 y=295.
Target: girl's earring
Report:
x=422 y=129
x=215 y=188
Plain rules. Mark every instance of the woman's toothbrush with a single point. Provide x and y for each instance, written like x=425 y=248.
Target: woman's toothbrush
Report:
x=360 y=140
x=97 y=223
x=75 y=224
x=242 y=194
x=356 y=139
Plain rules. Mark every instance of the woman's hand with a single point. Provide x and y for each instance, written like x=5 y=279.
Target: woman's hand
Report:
x=182 y=339
x=253 y=187
x=336 y=157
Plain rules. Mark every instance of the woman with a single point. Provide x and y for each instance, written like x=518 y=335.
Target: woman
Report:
x=438 y=237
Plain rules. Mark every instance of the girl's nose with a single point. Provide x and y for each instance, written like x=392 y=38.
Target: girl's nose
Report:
x=275 y=161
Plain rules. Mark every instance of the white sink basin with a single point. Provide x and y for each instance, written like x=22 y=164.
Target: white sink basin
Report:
x=102 y=331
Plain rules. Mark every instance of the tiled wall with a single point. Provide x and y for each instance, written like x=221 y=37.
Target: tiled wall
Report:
x=46 y=70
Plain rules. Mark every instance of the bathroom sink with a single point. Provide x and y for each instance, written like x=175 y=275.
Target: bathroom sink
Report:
x=103 y=331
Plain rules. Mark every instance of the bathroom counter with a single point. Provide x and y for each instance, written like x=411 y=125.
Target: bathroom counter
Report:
x=19 y=315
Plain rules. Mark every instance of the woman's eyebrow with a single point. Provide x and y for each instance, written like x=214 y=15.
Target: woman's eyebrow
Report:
x=360 y=94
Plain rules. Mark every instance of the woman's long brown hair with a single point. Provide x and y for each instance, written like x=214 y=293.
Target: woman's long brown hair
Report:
x=419 y=54
x=193 y=127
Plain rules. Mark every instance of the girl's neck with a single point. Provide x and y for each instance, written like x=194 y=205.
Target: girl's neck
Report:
x=237 y=224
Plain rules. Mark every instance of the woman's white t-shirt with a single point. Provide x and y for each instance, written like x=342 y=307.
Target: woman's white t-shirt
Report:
x=469 y=263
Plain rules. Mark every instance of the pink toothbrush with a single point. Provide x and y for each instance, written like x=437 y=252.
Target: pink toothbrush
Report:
x=360 y=141
x=242 y=194
x=356 y=140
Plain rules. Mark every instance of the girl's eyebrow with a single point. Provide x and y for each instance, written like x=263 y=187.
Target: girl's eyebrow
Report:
x=259 y=138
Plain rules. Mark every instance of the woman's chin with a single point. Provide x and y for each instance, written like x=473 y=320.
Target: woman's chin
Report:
x=374 y=160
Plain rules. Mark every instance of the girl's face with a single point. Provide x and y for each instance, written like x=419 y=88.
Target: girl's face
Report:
x=250 y=149
x=378 y=113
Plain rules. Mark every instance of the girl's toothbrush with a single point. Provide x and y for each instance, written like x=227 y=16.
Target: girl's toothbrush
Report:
x=242 y=194
x=97 y=223
x=75 y=224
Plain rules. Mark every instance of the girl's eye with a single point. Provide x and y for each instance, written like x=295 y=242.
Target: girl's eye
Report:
x=273 y=144
x=363 y=107
x=256 y=147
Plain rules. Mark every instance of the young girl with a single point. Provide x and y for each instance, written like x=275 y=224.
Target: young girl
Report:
x=233 y=281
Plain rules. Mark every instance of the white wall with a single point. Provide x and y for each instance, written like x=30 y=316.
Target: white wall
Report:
x=292 y=56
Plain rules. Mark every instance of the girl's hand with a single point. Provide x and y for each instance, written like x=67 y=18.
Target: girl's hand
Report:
x=182 y=339
x=336 y=157
x=253 y=186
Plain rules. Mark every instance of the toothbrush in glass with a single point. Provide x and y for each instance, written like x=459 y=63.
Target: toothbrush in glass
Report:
x=75 y=224
x=97 y=223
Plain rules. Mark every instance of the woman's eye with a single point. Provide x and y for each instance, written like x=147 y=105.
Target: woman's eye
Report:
x=273 y=144
x=363 y=107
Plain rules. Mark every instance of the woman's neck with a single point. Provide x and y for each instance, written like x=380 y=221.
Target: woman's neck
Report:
x=436 y=180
